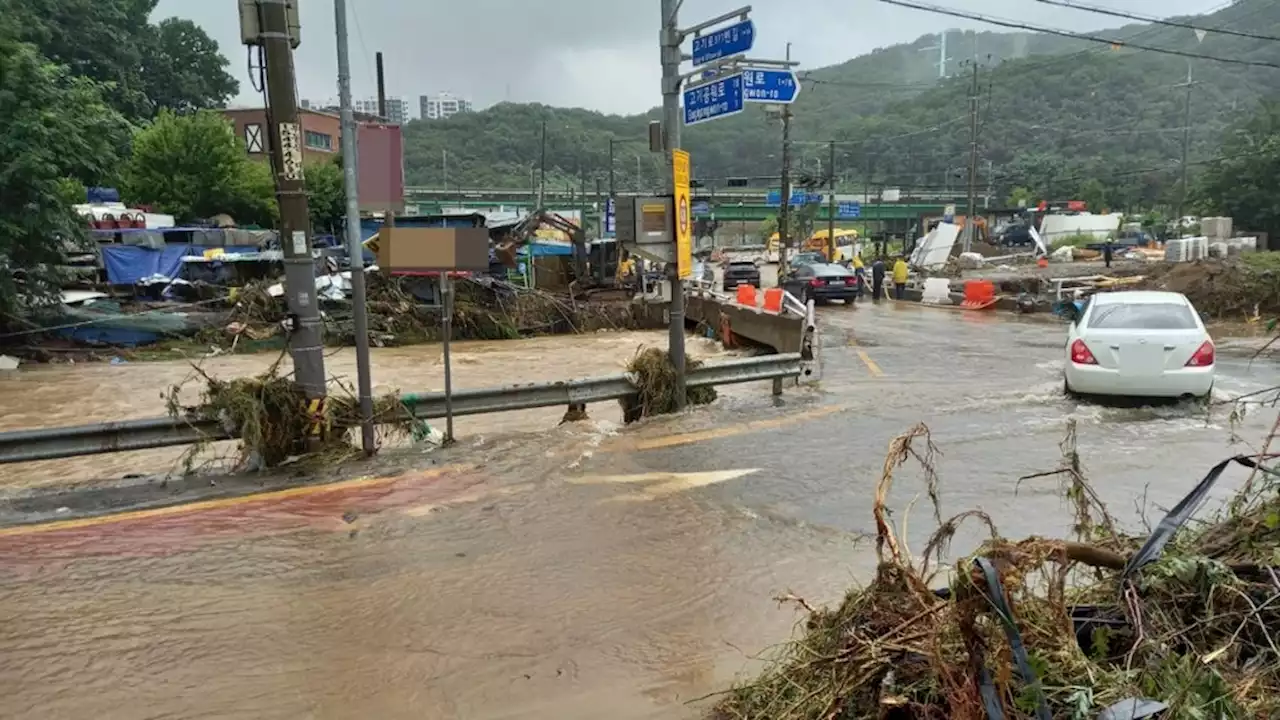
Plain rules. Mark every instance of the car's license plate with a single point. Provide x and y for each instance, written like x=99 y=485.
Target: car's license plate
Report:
x=835 y=282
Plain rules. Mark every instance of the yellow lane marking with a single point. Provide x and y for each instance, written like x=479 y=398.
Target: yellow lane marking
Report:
x=721 y=432
x=872 y=367
x=202 y=505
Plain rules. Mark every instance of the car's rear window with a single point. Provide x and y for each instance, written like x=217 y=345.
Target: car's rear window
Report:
x=1142 y=316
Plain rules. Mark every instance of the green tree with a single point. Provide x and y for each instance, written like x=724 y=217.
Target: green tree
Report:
x=98 y=39
x=1019 y=197
x=327 y=197
x=193 y=167
x=57 y=134
x=182 y=69
x=767 y=229
x=1242 y=186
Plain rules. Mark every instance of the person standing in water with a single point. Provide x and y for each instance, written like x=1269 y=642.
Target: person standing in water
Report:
x=877 y=279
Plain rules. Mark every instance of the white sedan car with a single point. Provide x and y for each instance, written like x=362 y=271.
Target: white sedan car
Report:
x=1139 y=344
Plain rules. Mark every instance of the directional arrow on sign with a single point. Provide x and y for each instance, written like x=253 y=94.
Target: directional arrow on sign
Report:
x=770 y=85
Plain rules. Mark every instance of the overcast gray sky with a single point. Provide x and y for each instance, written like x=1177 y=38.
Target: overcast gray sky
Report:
x=598 y=54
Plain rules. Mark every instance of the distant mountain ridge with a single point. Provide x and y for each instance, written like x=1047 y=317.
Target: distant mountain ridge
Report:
x=1059 y=115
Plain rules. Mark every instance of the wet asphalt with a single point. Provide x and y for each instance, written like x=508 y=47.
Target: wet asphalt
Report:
x=590 y=570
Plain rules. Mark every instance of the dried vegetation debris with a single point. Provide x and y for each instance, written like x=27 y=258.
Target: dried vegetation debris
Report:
x=1195 y=630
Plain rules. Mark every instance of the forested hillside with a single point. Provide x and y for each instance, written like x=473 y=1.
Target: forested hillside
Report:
x=1060 y=116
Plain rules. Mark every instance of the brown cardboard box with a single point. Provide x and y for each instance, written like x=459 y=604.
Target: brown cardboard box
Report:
x=410 y=249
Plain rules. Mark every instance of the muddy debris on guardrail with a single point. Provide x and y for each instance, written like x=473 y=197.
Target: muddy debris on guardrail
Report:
x=276 y=424
x=655 y=377
x=1183 y=625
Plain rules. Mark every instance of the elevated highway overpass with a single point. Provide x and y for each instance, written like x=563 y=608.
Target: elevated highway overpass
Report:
x=727 y=206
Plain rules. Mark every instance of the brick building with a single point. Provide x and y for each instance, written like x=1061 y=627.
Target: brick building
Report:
x=321 y=132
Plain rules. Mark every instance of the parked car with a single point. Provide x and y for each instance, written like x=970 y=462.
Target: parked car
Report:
x=741 y=272
x=808 y=258
x=1139 y=344
x=822 y=282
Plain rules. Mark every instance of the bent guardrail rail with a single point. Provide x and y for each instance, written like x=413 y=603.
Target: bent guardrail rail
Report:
x=63 y=442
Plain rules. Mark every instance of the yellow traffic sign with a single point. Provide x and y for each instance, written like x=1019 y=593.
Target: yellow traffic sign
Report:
x=684 y=213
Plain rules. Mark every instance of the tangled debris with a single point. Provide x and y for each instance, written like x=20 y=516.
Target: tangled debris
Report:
x=1045 y=628
x=401 y=312
x=270 y=415
x=655 y=377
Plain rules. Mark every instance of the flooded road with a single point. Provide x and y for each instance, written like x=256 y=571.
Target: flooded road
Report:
x=58 y=395
x=584 y=571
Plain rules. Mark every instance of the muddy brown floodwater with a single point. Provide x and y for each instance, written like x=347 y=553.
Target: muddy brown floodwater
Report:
x=573 y=572
x=57 y=395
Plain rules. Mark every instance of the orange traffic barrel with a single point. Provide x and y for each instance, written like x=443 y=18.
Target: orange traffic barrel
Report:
x=747 y=295
x=773 y=299
x=1042 y=262
x=978 y=293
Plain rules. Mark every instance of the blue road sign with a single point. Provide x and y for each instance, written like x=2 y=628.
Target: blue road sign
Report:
x=849 y=210
x=610 y=218
x=701 y=208
x=770 y=86
x=716 y=99
x=798 y=197
x=723 y=42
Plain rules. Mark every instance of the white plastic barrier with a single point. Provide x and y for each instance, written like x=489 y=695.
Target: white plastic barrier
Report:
x=937 y=291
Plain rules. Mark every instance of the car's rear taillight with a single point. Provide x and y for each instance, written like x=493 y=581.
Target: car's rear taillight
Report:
x=817 y=282
x=1080 y=354
x=1203 y=356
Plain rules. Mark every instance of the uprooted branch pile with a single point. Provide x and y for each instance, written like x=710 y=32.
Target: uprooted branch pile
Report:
x=1196 y=629
x=270 y=415
x=493 y=310
x=655 y=377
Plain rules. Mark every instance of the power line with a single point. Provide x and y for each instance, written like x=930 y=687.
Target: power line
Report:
x=1077 y=36
x=1157 y=21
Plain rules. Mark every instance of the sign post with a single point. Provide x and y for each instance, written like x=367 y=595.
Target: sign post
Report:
x=680 y=174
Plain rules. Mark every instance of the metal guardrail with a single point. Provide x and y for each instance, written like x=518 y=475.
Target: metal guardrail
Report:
x=63 y=442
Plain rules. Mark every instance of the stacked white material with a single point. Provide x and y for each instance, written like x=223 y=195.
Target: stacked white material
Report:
x=1220 y=250
x=1178 y=250
x=1216 y=228
x=1243 y=244
x=937 y=291
x=971 y=260
x=1199 y=247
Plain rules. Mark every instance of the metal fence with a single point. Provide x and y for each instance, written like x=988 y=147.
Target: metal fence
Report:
x=63 y=442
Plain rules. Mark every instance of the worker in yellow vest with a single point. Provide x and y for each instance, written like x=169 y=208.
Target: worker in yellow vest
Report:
x=899 y=278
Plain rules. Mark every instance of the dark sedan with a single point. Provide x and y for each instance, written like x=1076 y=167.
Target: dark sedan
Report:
x=741 y=273
x=822 y=282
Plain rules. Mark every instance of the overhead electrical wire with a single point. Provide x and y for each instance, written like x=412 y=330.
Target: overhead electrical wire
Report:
x=1158 y=21
x=1077 y=36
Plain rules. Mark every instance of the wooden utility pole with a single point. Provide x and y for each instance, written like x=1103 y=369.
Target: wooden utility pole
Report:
x=306 y=344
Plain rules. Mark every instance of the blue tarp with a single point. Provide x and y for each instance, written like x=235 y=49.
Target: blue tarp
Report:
x=127 y=264
x=544 y=249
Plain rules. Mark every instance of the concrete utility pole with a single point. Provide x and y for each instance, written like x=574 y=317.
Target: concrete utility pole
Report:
x=355 y=249
x=970 y=223
x=669 y=44
x=306 y=344
x=612 y=188
x=784 y=213
x=831 y=200
x=1186 y=143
